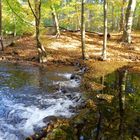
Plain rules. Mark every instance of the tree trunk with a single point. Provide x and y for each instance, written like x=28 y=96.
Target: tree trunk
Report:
x=83 y=28
x=37 y=15
x=104 y=54
x=56 y=22
x=113 y=18
x=90 y=15
x=129 y=21
x=41 y=50
x=14 y=20
x=1 y=38
x=77 y=18
x=138 y=22
x=122 y=21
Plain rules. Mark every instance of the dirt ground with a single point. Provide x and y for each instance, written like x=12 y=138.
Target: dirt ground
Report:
x=67 y=50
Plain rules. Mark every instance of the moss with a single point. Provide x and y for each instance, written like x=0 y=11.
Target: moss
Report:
x=57 y=134
x=61 y=133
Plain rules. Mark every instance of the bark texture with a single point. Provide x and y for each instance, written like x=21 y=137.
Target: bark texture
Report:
x=37 y=15
x=113 y=17
x=122 y=21
x=83 y=28
x=138 y=22
x=104 y=54
x=55 y=19
x=129 y=21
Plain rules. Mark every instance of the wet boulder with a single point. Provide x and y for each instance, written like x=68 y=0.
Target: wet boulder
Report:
x=50 y=119
x=76 y=77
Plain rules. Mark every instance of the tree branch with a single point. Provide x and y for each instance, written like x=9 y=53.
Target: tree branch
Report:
x=39 y=10
x=32 y=9
x=17 y=14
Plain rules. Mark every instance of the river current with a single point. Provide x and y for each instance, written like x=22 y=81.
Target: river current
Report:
x=30 y=93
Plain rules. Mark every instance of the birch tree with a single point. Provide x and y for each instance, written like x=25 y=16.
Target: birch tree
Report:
x=55 y=19
x=113 y=17
x=104 y=54
x=83 y=28
x=129 y=21
x=122 y=21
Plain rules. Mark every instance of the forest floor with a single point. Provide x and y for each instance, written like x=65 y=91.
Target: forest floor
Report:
x=66 y=50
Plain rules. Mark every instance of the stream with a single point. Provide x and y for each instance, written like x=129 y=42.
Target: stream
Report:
x=30 y=93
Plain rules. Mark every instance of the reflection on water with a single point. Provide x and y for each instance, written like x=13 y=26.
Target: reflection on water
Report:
x=118 y=119
x=28 y=94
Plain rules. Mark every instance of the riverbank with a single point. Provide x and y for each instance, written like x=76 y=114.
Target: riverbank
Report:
x=66 y=50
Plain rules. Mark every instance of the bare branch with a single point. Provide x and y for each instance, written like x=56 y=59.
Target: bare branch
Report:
x=29 y=3
x=39 y=10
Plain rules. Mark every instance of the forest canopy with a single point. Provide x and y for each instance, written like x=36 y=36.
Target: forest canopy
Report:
x=18 y=18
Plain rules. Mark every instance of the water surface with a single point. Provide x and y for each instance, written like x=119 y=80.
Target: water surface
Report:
x=118 y=107
x=28 y=94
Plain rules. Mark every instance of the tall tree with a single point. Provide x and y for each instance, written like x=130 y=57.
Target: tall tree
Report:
x=129 y=21
x=104 y=54
x=77 y=23
x=55 y=19
x=37 y=15
x=113 y=16
x=1 y=40
x=138 y=22
x=122 y=21
x=83 y=28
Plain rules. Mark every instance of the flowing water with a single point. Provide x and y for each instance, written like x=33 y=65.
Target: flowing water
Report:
x=28 y=94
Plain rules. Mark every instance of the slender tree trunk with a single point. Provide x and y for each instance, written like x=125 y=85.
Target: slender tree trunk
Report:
x=122 y=21
x=113 y=18
x=14 y=20
x=1 y=38
x=56 y=22
x=89 y=27
x=138 y=22
x=83 y=28
x=37 y=15
x=129 y=21
x=77 y=18
x=104 y=54
x=41 y=50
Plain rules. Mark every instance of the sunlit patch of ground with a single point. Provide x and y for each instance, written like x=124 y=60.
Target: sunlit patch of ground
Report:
x=69 y=42
x=67 y=48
